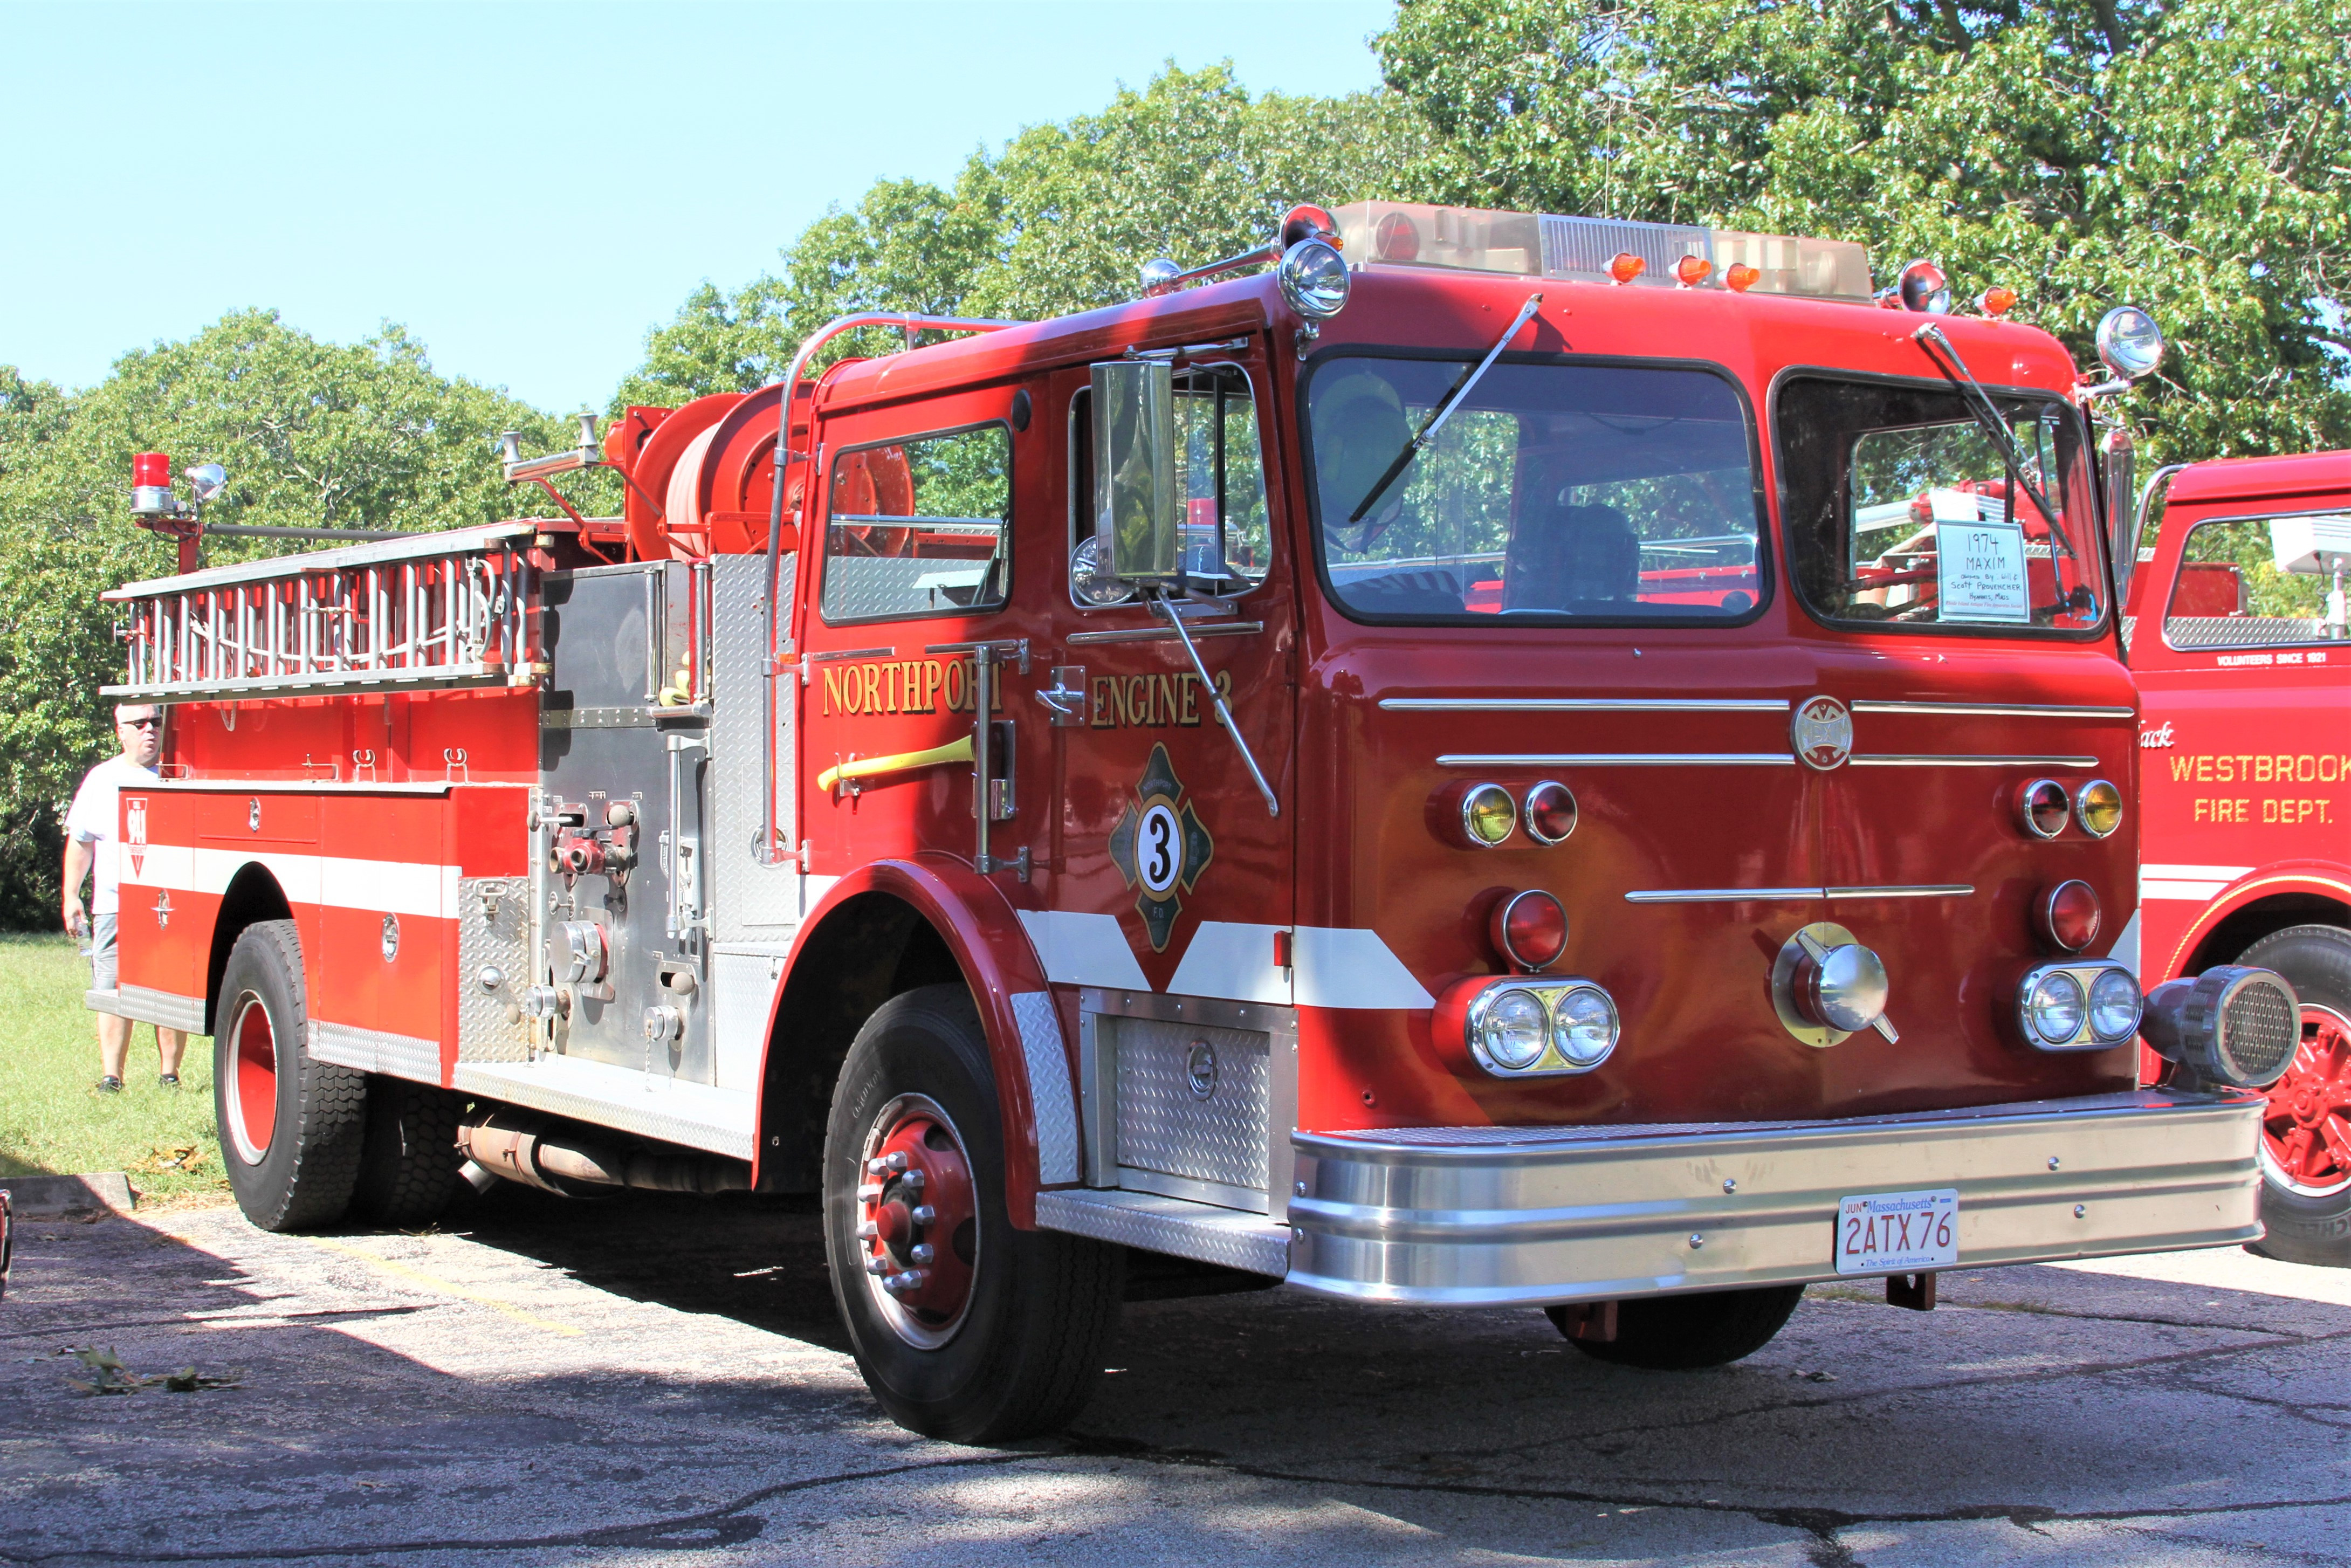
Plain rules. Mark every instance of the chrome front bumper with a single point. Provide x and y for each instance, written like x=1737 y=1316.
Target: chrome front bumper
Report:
x=1521 y=1215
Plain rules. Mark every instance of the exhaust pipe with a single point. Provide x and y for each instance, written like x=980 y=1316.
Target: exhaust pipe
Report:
x=565 y=1157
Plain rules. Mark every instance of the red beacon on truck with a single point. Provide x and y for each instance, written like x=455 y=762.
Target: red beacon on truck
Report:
x=1455 y=758
x=2239 y=638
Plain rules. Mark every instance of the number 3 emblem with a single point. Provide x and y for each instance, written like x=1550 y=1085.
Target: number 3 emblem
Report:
x=1161 y=848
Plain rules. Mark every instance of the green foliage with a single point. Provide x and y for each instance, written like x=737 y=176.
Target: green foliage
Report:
x=1191 y=167
x=2192 y=158
x=313 y=434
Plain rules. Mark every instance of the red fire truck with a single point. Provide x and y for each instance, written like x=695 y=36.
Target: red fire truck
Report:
x=2238 y=635
x=1501 y=759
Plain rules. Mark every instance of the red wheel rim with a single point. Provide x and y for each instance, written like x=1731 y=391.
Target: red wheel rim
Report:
x=2306 y=1127
x=917 y=1221
x=251 y=1080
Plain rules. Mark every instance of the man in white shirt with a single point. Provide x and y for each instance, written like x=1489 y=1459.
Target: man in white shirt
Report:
x=90 y=836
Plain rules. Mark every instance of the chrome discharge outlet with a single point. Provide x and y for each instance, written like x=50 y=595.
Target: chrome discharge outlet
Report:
x=1827 y=986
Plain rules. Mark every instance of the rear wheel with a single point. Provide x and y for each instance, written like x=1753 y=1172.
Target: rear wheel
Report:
x=408 y=1159
x=290 y=1127
x=964 y=1328
x=2305 y=1150
x=1680 y=1333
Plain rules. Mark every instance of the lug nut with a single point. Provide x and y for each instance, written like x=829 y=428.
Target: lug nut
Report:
x=912 y=1180
x=921 y=1252
x=867 y=1230
x=922 y=1214
x=877 y=1265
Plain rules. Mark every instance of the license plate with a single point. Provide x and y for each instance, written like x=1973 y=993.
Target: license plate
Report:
x=1897 y=1232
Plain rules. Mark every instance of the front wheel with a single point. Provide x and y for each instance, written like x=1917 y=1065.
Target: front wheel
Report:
x=1682 y=1333
x=2306 y=1149
x=964 y=1328
x=290 y=1126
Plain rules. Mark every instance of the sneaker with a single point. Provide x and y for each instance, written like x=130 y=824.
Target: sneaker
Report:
x=169 y=1080
x=109 y=1085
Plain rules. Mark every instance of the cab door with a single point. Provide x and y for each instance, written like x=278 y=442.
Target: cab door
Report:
x=1163 y=826
x=1170 y=899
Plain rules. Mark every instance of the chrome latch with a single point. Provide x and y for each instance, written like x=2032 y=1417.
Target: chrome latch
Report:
x=1066 y=697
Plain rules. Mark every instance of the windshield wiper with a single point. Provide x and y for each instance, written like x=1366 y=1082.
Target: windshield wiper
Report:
x=1979 y=406
x=1444 y=411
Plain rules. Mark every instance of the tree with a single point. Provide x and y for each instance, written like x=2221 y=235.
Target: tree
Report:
x=314 y=435
x=1191 y=167
x=2193 y=158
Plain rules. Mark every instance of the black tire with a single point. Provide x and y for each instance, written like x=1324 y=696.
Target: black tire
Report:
x=290 y=1128
x=1023 y=1350
x=1681 y=1333
x=409 y=1159
x=2306 y=1226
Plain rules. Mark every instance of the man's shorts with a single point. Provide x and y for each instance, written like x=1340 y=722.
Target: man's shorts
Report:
x=101 y=952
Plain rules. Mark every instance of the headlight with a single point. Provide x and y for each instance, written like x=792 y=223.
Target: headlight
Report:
x=1532 y=1028
x=2115 y=1005
x=1313 y=279
x=1583 y=1026
x=1512 y=1030
x=2055 y=1006
x=2129 y=343
x=2098 y=808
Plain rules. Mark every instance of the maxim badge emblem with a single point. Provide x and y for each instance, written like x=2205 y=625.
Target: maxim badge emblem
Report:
x=1822 y=732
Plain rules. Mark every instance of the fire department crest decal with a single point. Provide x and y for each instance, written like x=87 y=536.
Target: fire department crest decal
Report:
x=1160 y=847
x=1822 y=732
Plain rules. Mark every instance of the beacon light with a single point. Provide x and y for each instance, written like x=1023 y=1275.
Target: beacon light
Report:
x=1549 y=812
x=1739 y=277
x=1692 y=271
x=1996 y=300
x=1529 y=929
x=2067 y=915
x=1624 y=267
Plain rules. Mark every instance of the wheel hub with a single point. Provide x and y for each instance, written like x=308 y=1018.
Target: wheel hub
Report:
x=2306 y=1128
x=917 y=1230
x=252 y=1082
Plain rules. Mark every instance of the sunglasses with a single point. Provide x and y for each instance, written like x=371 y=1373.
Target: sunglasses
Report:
x=139 y=723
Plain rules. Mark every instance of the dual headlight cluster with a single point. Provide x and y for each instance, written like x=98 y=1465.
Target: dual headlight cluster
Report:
x=1528 y=1028
x=2088 y=1005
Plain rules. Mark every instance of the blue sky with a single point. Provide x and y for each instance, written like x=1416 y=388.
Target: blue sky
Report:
x=529 y=188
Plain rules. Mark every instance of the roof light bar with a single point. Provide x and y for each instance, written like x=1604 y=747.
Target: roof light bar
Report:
x=1584 y=250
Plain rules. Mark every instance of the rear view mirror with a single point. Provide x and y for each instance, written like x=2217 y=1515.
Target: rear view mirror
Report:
x=1137 y=516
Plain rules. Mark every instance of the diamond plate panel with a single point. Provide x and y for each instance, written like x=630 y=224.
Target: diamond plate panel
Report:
x=1164 y=1125
x=492 y=933
x=1049 y=1095
x=745 y=896
x=373 y=1051
x=742 y=984
x=1236 y=1240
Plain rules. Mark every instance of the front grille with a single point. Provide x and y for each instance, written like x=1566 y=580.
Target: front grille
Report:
x=2260 y=1029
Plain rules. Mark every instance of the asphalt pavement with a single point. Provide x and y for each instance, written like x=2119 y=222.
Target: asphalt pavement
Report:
x=657 y=1381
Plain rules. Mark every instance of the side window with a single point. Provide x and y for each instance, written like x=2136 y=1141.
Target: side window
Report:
x=1228 y=531
x=2260 y=582
x=920 y=528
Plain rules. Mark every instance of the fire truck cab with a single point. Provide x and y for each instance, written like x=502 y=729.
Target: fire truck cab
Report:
x=1501 y=760
x=2238 y=637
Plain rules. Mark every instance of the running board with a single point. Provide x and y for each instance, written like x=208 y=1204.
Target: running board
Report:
x=1201 y=1232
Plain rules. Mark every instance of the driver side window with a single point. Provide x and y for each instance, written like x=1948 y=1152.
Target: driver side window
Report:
x=1220 y=479
x=919 y=528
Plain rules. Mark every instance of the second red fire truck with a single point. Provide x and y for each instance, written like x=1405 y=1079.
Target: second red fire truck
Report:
x=2243 y=650
x=1497 y=760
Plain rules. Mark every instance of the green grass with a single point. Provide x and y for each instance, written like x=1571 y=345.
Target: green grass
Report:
x=53 y=1120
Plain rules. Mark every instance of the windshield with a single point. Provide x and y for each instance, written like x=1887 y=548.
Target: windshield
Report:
x=1899 y=508
x=1554 y=493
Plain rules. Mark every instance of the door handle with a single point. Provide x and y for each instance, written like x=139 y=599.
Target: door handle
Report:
x=1066 y=698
